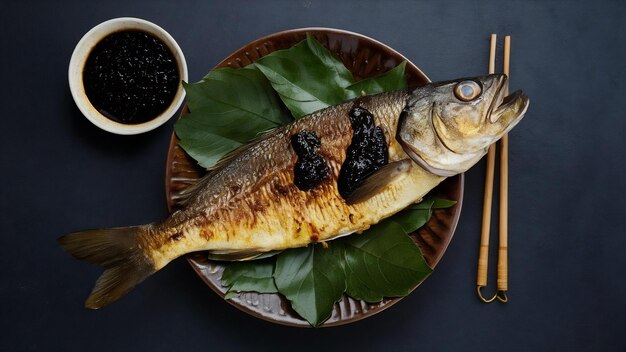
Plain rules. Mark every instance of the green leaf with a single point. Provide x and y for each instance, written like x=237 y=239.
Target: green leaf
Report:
x=416 y=215
x=312 y=279
x=439 y=203
x=250 y=276
x=383 y=262
x=307 y=76
x=228 y=108
x=412 y=219
x=393 y=79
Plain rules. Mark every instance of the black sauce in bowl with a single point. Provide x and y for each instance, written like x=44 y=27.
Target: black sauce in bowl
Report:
x=131 y=77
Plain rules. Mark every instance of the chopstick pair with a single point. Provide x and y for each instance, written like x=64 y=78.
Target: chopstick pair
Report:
x=483 y=257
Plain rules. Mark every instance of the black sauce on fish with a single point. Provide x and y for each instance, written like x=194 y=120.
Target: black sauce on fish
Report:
x=131 y=77
x=367 y=152
x=311 y=168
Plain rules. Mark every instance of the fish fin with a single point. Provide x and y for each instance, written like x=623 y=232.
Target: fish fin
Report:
x=245 y=255
x=377 y=181
x=184 y=196
x=240 y=255
x=338 y=236
x=230 y=156
x=119 y=251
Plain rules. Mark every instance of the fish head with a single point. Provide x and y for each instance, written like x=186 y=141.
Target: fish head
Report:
x=446 y=127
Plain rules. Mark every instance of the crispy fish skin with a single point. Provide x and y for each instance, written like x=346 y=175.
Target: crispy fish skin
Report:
x=252 y=204
x=249 y=204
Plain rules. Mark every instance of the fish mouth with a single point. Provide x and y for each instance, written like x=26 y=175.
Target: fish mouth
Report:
x=508 y=108
x=517 y=100
x=511 y=110
x=498 y=97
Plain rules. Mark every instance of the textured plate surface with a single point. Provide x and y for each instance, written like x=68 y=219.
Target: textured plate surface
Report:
x=364 y=57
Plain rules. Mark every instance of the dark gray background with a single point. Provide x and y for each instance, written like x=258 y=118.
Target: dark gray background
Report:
x=567 y=183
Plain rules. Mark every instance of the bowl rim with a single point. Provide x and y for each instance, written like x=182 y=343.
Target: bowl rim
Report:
x=81 y=53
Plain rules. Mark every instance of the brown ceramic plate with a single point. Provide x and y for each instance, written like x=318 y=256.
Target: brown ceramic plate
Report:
x=364 y=57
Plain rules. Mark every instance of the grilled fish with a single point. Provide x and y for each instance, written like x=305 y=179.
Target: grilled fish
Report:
x=335 y=172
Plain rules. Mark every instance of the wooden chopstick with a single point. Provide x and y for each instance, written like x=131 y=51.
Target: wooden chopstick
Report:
x=503 y=250
x=483 y=257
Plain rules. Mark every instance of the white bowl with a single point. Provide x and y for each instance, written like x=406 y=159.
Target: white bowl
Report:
x=77 y=64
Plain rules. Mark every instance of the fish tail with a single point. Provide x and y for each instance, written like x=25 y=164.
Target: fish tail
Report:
x=120 y=251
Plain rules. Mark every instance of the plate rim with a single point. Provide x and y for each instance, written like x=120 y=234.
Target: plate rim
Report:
x=195 y=266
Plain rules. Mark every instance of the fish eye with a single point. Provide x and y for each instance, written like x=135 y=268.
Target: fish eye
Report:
x=467 y=90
